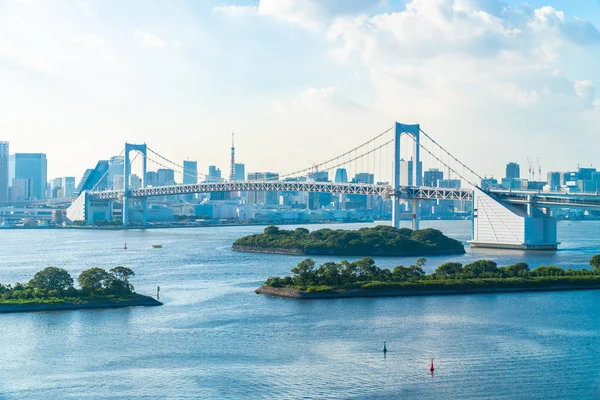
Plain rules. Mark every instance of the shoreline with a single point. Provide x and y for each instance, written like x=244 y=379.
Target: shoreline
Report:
x=139 y=301
x=288 y=293
x=300 y=252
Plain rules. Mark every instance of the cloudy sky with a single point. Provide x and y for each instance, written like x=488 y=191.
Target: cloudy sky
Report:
x=300 y=80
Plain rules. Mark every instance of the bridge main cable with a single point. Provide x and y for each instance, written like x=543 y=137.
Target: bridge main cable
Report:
x=316 y=166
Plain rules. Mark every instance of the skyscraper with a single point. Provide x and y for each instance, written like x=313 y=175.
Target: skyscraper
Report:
x=513 y=171
x=190 y=172
x=4 y=174
x=406 y=173
x=341 y=175
x=32 y=170
x=240 y=172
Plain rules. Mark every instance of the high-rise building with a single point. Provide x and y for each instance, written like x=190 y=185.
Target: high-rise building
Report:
x=33 y=167
x=57 y=188
x=214 y=173
x=240 y=172
x=554 y=180
x=406 y=173
x=341 y=175
x=166 y=177
x=263 y=197
x=432 y=176
x=69 y=186
x=4 y=171
x=190 y=172
x=513 y=171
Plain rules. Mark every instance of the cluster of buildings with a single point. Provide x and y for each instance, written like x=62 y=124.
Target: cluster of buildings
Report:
x=582 y=180
x=24 y=177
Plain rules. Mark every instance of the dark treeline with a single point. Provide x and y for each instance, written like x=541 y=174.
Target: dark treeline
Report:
x=379 y=240
x=359 y=273
x=57 y=283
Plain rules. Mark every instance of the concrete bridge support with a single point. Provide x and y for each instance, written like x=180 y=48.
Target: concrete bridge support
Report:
x=141 y=148
x=511 y=226
x=415 y=132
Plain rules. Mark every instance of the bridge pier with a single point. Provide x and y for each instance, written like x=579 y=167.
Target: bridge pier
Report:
x=501 y=225
x=125 y=210
x=415 y=214
x=144 y=211
x=415 y=132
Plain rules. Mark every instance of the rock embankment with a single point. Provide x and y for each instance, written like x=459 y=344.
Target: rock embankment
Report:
x=337 y=294
x=270 y=250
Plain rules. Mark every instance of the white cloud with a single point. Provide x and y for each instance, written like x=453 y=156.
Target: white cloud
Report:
x=235 y=10
x=148 y=39
x=472 y=75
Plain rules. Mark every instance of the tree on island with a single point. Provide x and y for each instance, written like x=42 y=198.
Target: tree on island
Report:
x=449 y=269
x=52 y=278
x=595 y=262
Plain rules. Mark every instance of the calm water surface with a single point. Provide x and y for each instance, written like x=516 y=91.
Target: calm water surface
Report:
x=215 y=339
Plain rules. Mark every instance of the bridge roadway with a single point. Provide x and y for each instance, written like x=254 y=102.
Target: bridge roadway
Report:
x=542 y=199
x=422 y=193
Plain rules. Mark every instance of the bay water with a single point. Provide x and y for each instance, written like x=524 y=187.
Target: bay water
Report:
x=215 y=339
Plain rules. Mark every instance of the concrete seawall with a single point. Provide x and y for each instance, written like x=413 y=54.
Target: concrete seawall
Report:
x=142 y=301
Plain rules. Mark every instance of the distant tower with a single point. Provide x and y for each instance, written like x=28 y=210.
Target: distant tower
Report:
x=232 y=167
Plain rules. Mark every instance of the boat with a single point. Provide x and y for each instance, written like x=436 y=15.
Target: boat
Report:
x=157 y=246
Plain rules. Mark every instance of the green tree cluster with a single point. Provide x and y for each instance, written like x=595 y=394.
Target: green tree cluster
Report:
x=362 y=272
x=57 y=283
x=380 y=240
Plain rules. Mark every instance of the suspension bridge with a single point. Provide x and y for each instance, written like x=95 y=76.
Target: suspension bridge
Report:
x=501 y=218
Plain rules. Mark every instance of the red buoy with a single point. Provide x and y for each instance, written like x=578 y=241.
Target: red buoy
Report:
x=431 y=368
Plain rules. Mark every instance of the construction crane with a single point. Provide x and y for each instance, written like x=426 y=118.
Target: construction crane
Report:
x=531 y=173
x=539 y=169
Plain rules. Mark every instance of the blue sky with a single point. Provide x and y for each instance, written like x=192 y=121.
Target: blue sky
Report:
x=300 y=80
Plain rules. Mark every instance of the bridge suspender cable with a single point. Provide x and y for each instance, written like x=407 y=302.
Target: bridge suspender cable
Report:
x=337 y=158
x=454 y=158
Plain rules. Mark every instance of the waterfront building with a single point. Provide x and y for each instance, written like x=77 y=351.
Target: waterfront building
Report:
x=432 y=176
x=319 y=200
x=515 y=184
x=263 y=197
x=569 y=178
x=513 y=171
x=585 y=173
x=487 y=183
x=4 y=171
x=553 y=180
x=33 y=167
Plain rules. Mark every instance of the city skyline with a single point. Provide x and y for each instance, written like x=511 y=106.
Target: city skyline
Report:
x=163 y=78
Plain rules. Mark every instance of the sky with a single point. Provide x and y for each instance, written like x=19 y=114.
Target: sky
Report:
x=300 y=81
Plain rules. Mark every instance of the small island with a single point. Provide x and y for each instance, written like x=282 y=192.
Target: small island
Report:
x=52 y=289
x=381 y=240
x=363 y=278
